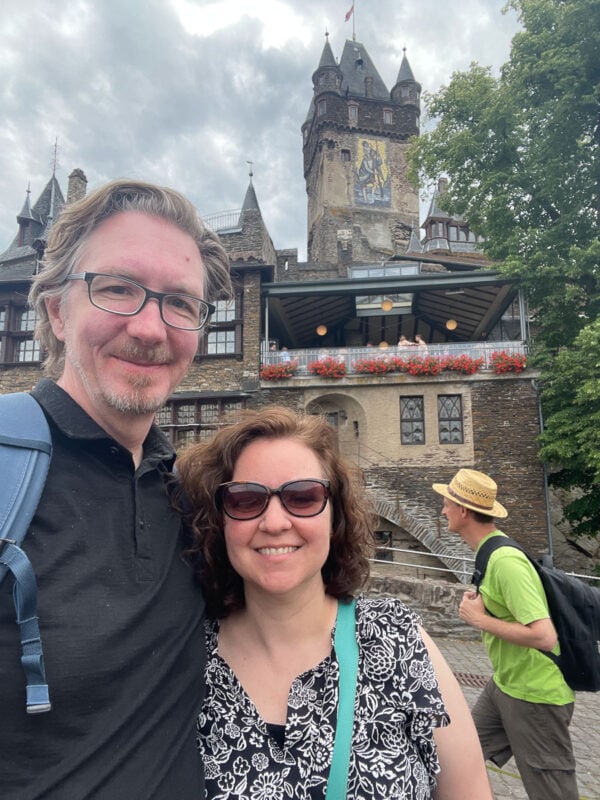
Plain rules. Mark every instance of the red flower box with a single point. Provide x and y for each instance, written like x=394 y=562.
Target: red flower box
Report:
x=327 y=368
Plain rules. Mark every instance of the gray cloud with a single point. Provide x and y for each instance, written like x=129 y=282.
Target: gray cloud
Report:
x=128 y=91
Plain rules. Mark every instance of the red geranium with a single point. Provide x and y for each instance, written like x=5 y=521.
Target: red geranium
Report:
x=278 y=372
x=503 y=362
x=327 y=368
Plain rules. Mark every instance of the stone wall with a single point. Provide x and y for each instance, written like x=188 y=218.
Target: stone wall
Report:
x=436 y=602
x=20 y=378
x=215 y=374
x=501 y=413
x=370 y=232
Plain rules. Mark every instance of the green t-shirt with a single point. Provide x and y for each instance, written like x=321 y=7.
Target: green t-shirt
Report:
x=512 y=591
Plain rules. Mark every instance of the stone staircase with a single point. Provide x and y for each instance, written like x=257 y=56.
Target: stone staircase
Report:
x=448 y=548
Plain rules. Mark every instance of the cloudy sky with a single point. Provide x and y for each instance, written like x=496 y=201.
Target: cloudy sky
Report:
x=186 y=92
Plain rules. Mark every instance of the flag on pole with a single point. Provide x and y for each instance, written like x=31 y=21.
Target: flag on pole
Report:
x=349 y=13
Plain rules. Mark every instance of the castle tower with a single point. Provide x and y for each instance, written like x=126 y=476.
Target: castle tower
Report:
x=360 y=205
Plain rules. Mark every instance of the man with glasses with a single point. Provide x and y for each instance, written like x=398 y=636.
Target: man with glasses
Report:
x=123 y=294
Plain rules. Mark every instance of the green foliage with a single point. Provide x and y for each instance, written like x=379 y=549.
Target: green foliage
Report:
x=522 y=151
x=571 y=438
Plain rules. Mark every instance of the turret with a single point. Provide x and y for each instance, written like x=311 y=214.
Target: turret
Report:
x=407 y=91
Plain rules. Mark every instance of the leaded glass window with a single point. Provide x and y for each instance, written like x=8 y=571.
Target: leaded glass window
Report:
x=412 y=420
x=450 y=419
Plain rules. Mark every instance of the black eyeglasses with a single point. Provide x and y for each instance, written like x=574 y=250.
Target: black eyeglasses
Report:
x=119 y=295
x=247 y=500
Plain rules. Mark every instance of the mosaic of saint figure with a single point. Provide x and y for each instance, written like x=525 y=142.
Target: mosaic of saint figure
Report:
x=372 y=184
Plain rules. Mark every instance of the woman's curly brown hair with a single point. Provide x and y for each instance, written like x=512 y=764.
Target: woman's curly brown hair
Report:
x=202 y=467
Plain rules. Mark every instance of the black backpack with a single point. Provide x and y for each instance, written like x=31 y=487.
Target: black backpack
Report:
x=574 y=610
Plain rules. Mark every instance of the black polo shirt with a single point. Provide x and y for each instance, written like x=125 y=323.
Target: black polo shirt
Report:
x=121 y=624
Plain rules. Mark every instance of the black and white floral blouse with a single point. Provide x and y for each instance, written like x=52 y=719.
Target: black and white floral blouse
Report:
x=398 y=704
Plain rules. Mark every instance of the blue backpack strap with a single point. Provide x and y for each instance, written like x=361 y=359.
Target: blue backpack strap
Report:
x=24 y=463
x=25 y=600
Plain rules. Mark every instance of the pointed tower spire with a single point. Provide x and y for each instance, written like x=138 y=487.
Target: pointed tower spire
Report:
x=405 y=73
x=414 y=243
x=250 y=200
x=25 y=214
x=406 y=90
x=328 y=76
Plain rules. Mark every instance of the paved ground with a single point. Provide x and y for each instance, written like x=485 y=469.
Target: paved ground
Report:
x=471 y=665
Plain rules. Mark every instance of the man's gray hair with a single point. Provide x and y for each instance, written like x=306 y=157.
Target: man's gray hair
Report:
x=77 y=221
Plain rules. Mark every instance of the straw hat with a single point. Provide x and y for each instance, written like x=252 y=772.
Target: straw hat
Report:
x=474 y=490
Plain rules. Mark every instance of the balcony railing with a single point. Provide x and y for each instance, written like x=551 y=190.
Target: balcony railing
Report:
x=350 y=355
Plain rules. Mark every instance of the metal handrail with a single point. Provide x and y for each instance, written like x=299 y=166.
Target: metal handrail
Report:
x=466 y=559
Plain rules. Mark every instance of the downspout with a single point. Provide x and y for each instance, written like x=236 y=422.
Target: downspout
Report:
x=523 y=317
x=266 y=340
x=545 y=472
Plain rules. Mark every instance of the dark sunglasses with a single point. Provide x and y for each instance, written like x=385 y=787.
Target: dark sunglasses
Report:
x=247 y=500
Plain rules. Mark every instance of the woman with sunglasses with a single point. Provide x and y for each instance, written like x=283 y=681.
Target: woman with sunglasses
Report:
x=282 y=532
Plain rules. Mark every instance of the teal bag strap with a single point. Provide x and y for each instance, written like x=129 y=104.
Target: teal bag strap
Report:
x=346 y=649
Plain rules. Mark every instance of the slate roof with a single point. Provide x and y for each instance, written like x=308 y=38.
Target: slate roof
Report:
x=40 y=218
x=405 y=73
x=356 y=65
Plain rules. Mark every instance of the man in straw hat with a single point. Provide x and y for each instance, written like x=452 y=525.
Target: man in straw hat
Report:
x=525 y=709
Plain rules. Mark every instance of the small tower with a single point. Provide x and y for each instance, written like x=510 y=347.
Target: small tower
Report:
x=360 y=204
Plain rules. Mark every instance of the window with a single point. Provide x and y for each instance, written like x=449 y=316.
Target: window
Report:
x=225 y=311
x=17 y=324
x=321 y=108
x=220 y=342
x=387 y=116
x=412 y=420
x=196 y=419
x=345 y=155
x=224 y=334
x=453 y=233
x=450 y=419
x=370 y=305
x=353 y=112
x=28 y=350
x=27 y=320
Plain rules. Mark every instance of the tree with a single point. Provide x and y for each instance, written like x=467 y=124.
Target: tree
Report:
x=522 y=151
x=572 y=434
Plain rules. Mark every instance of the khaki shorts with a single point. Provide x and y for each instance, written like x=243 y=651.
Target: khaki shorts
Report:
x=536 y=734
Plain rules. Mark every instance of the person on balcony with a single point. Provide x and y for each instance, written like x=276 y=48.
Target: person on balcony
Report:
x=282 y=532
